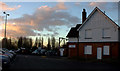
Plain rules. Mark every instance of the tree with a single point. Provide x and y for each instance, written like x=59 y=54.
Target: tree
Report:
x=14 y=43
x=48 y=45
x=20 y=42
x=36 y=42
x=9 y=44
x=4 y=43
x=57 y=44
x=39 y=42
x=42 y=42
x=24 y=42
x=53 y=42
x=30 y=41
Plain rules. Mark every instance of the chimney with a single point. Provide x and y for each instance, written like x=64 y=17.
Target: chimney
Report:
x=83 y=15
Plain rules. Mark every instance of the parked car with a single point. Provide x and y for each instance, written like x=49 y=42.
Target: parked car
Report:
x=9 y=54
x=51 y=53
x=42 y=51
x=18 y=50
x=5 y=60
x=12 y=52
x=36 y=52
x=6 y=52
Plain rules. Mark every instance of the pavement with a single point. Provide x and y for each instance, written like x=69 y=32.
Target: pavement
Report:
x=43 y=63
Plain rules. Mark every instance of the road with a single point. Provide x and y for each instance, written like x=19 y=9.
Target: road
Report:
x=43 y=63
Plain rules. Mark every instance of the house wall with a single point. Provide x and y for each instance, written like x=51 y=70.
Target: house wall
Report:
x=97 y=23
x=72 y=52
x=72 y=39
x=113 y=50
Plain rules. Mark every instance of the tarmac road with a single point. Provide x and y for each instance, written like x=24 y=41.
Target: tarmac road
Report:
x=43 y=63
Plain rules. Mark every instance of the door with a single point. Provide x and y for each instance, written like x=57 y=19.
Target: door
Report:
x=99 y=53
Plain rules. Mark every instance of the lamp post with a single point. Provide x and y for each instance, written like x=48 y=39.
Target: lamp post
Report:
x=4 y=41
x=5 y=23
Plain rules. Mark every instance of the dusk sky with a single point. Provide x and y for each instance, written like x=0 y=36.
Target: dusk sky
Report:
x=48 y=18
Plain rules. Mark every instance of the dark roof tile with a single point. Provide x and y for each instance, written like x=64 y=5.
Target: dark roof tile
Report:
x=73 y=31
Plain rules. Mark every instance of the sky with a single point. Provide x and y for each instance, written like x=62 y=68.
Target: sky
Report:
x=30 y=19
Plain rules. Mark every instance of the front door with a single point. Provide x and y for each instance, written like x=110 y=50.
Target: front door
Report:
x=99 y=53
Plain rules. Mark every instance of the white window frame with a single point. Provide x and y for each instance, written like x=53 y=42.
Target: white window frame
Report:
x=72 y=46
x=106 y=33
x=88 y=49
x=106 y=50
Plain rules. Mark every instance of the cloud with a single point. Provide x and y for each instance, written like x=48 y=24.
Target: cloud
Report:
x=16 y=30
x=104 y=5
x=97 y=4
x=5 y=7
x=77 y=3
x=1 y=18
x=61 y=5
x=93 y=4
x=44 y=17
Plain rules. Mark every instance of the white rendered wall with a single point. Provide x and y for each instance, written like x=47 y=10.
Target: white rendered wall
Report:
x=97 y=23
x=72 y=39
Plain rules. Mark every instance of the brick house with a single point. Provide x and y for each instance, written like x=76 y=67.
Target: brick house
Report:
x=73 y=41
x=98 y=37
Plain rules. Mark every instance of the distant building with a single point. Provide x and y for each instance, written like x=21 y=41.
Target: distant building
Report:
x=73 y=41
x=97 y=37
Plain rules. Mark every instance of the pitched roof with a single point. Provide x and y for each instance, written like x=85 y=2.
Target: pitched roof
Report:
x=97 y=9
x=73 y=31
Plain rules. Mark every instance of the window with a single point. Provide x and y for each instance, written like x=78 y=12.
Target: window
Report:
x=106 y=33
x=88 y=49
x=106 y=50
x=71 y=46
x=88 y=34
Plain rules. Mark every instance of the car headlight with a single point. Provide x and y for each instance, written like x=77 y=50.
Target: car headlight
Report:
x=5 y=62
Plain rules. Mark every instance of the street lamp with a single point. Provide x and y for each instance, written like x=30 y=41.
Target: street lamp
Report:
x=4 y=41
x=5 y=23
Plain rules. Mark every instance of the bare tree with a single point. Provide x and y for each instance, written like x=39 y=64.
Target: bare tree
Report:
x=30 y=40
x=48 y=45
x=53 y=42
x=39 y=42
x=36 y=42
x=20 y=42
x=42 y=42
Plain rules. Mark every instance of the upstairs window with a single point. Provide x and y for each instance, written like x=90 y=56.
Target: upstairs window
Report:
x=88 y=34
x=106 y=33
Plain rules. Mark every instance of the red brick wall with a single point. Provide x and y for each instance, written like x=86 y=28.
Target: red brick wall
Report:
x=81 y=50
x=114 y=50
x=72 y=52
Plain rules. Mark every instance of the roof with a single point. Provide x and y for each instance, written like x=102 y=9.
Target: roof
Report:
x=73 y=31
x=97 y=9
